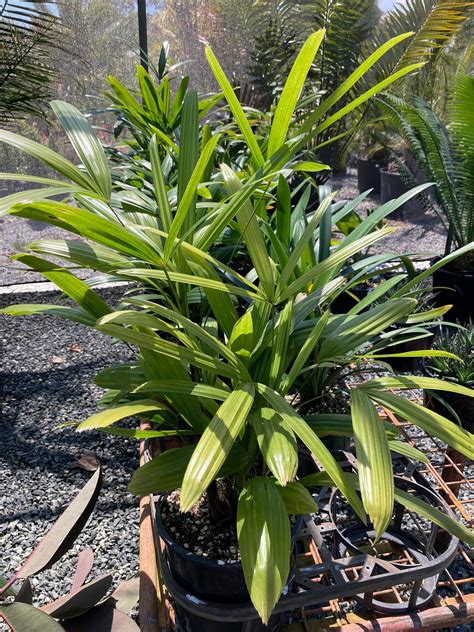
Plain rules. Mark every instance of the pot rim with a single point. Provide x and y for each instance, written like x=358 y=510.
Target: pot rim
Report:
x=385 y=170
x=375 y=161
x=460 y=272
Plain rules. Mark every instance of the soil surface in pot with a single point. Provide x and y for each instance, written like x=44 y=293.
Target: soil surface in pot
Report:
x=195 y=531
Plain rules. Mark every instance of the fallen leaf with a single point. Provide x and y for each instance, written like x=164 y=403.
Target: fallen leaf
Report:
x=58 y=359
x=75 y=348
x=88 y=461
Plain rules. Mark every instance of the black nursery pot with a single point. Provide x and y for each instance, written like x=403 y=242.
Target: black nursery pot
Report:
x=344 y=302
x=462 y=404
x=456 y=288
x=220 y=583
x=391 y=187
x=410 y=364
x=368 y=175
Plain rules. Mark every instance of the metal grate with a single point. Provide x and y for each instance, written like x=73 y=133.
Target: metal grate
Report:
x=452 y=603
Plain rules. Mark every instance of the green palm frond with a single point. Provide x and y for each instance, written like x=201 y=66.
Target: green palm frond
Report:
x=443 y=21
x=462 y=131
x=28 y=31
x=434 y=23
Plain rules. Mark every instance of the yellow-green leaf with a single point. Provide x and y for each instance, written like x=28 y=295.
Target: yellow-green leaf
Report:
x=374 y=461
x=277 y=443
x=297 y=499
x=313 y=443
x=263 y=529
x=111 y=415
x=215 y=444
x=292 y=91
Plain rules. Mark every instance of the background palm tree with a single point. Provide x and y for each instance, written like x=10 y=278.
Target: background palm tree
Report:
x=354 y=29
x=28 y=34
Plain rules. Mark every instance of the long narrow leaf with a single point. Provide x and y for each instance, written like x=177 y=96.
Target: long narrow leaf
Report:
x=374 y=462
x=48 y=156
x=111 y=415
x=69 y=313
x=263 y=529
x=151 y=342
x=410 y=382
x=313 y=443
x=303 y=241
x=353 y=78
x=76 y=289
x=297 y=499
x=428 y=420
x=330 y=264
x=277 y=444
x=251 y=234
x=86 y=145
x=292 y=91
x=161 y=194
x=235 y=107
x=189 y=193
x=215 y=444
x=89 y=226
x=305 y=352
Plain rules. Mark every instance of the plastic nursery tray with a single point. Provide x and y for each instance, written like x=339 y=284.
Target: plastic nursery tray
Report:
x=336 y=559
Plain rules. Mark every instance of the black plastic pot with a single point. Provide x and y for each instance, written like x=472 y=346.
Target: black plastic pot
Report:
x=391 y=187
x=199 y=579
x=456 y=288
x=462 y=404
x=368 y=175
x=409 y=364
x=344 y=302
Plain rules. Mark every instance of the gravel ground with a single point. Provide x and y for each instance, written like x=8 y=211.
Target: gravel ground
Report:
x=46 y=379
x=417 y=233
x=15 y=235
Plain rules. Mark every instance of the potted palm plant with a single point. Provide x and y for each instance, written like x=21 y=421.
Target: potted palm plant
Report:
x=219 y=354
x=445 y=156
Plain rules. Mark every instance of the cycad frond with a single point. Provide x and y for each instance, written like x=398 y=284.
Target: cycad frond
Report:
x=28 y=31
x=462 y=114
x=443 y=21
x=280 y=33
x=434 y=23
x=462 y=131
x=446 y=161
x=347 y=26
